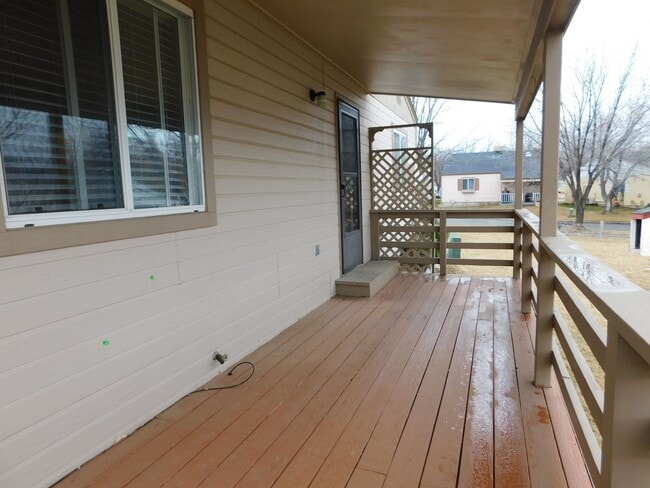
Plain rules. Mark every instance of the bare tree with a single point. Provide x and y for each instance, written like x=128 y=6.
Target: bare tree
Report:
x=598 y=129
x=428 y=110
x=603 y=122
x=603 y=125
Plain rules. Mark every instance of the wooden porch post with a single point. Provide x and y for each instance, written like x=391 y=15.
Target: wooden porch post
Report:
x=548 y=210
x=519 y=163
x=443 y=243
x=519 y=186
x=626 y=449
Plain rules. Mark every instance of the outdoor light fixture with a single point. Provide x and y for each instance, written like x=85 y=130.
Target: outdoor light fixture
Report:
x=319 y=97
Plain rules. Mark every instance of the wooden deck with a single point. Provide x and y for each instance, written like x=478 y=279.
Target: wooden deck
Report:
x=426 y=384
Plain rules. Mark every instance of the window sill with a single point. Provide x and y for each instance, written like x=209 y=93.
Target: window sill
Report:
x=34 y=239
x=86 y=216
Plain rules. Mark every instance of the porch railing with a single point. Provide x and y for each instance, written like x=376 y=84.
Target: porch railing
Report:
x=560 y=286
x=528 y=197
x=419 y=237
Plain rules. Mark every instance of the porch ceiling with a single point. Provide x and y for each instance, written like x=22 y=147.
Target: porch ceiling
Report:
x=462 y=49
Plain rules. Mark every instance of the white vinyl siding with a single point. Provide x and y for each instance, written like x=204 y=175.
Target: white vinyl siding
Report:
x=164 y=303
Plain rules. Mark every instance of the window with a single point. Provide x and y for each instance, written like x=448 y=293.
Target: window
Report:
x=399 y=143
x=468 y=184
x=98 y=111
x=399 y=140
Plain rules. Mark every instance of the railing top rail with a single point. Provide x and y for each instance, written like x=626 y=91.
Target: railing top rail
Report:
x=454 y=212
x=625 y=305
x=529 y=219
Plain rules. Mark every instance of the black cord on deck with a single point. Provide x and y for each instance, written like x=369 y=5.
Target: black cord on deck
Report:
x=230 y=374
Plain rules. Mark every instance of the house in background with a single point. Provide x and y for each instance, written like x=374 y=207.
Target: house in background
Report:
x=637 y=191
x=470 y=188
x=487 y=178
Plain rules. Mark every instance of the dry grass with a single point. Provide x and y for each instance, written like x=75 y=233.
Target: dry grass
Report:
x=614 y=252
x=593 y=213
x=483 y=254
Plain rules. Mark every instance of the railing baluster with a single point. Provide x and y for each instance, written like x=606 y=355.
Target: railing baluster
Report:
x=516 y=251
x=443 y=243
x=526 y=269
x=374 y=236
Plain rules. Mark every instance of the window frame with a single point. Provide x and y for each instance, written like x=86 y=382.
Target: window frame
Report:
x=67 y=229
x=469 y=180
x=188 y=76
x=400 y=140
x=399 y=143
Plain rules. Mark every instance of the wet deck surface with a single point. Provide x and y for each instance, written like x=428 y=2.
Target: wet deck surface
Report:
x=426 y=384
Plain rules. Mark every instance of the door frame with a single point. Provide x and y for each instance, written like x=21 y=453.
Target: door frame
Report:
x=344 y=106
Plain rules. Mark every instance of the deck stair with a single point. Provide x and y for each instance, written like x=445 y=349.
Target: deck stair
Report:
x=367 y=279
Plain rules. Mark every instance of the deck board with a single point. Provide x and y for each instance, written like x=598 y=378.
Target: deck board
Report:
x=443 y=458
x=275 y=410
x=545 y=466
x=429 y=383
x=303 y=412
x=380 y=448
x=408 y=461
x=317 y=434
x=477 y=456
x=511 y=470
x=342 y=459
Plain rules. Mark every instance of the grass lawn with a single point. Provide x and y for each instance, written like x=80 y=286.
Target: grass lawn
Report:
x=593 y=213
x=615 y=253
x=612 y=250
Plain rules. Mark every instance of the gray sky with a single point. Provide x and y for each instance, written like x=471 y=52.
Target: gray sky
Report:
x=611 y=29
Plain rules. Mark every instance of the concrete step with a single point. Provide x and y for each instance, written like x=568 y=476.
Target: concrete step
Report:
x=366 y=280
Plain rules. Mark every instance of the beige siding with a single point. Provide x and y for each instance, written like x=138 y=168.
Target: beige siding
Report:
x=637 y=190
x=400 y=106
x=166 y=302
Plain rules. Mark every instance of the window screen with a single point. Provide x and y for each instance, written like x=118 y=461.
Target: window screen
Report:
x=58 y=139
x=97 y=111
